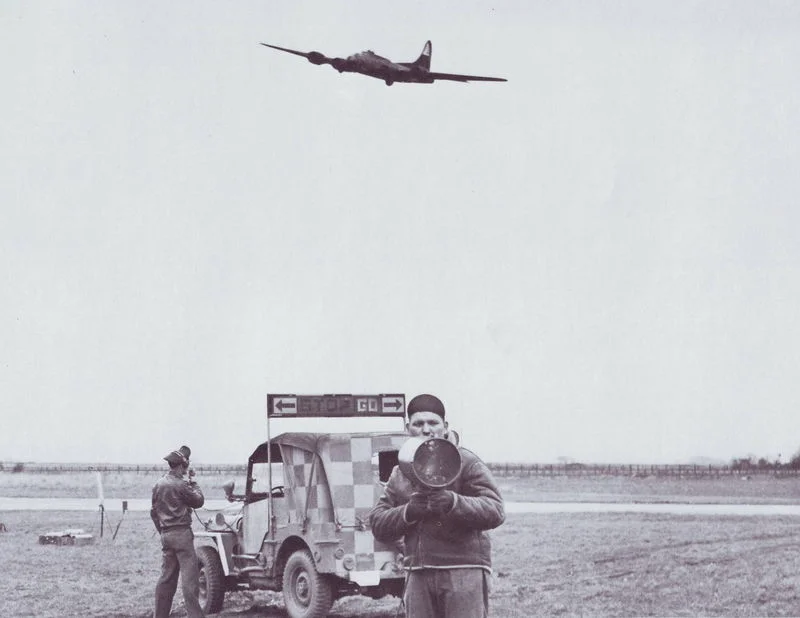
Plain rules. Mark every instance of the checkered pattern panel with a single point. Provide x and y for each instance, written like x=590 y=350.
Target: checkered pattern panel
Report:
x=380 y=443
x=368 y=557
x=340 y=450
x=346 y=497
x=299 y=464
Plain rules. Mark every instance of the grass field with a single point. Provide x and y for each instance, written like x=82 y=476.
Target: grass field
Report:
x=723 y=490
x=123 y=485
x=545 y=565
x=710 y=490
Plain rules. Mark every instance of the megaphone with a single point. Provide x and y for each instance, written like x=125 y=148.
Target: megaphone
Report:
x=432 y=463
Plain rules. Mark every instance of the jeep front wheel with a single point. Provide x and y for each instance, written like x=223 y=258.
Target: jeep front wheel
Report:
x=306 y=593
x=212 y=580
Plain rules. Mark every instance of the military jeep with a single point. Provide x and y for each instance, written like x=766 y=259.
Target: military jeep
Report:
x=302 y=524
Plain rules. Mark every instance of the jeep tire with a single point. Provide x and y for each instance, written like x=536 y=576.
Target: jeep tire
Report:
x=212 y=580
x=306 y=593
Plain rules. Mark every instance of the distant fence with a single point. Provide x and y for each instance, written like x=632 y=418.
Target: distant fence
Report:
x=637 y=470
x=498 y=469
x=60 y=468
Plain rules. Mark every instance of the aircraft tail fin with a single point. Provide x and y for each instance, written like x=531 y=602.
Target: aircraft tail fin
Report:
x=424 y=60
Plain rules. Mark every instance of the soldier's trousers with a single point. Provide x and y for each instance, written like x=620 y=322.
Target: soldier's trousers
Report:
x=447 y=593
x=178 y=556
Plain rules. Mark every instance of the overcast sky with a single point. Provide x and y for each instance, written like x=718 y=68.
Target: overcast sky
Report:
x=599 y=259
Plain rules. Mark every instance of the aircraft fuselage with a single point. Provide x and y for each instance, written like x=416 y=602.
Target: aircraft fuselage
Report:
x=370 y=63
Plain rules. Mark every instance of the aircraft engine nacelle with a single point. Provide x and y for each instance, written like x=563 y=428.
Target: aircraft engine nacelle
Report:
x=315 y=57
x=340 y=64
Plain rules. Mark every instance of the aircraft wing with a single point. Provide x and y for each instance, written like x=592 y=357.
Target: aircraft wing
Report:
x=314 y=57
x=453 y=77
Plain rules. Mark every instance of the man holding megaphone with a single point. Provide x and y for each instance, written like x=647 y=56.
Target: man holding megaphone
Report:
x=440 y=500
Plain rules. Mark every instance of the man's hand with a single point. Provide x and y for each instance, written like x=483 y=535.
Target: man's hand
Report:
x=156 y=522
x=417 y=507
x=441 y=502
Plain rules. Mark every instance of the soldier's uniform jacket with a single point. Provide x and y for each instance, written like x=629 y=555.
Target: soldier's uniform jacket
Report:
x=172 y=500
x=456 y=539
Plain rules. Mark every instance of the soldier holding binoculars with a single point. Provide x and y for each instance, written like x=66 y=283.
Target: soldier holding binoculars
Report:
x=171 y=512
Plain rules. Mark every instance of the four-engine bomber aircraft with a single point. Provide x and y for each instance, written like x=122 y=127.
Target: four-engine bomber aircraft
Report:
x=371 y=64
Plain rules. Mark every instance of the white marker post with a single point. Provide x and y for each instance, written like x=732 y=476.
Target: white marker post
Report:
x=100 y=498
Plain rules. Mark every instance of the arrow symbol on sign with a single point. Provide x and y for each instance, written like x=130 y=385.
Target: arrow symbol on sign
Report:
x=283 y=404
x=394 y=403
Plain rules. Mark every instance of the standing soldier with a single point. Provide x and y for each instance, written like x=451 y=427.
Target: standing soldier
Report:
x=448 y=552
x=173 y=501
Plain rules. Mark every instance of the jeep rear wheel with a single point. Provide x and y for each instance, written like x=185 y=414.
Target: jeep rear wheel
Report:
x=306 y=593
x=212 y=580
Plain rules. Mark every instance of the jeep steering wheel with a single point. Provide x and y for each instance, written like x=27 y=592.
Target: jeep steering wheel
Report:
x=277 y=491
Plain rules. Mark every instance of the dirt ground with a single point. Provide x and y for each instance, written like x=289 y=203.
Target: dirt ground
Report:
x=545 y=565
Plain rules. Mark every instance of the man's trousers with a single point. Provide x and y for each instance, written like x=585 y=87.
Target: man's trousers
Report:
x=447 y=593
x=178 y=556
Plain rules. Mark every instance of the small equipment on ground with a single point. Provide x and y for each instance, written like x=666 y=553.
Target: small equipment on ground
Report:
x=71 y=536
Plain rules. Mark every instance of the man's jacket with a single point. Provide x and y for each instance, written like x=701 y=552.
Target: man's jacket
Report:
x=173 y=499
x=455 y=539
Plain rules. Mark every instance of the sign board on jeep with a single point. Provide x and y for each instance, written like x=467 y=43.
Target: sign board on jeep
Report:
x=335 y=405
